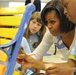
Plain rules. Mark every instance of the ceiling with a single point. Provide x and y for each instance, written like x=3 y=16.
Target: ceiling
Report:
x=20 y=0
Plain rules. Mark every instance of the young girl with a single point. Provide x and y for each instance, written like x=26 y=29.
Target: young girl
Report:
x=33 y=35
x=35 y=31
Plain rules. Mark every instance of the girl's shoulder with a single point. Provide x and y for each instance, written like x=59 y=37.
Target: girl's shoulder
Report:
x=24 y=39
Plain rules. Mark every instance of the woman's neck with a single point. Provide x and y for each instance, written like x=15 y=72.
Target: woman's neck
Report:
x=68 y=38
x=69 y=34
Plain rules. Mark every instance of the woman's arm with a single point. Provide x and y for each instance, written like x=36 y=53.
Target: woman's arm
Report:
x=28 y=62
x=50 y=68
x=44 y=46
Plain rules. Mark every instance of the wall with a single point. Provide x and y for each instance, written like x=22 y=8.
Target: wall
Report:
x=6 y=3
x=22 y=0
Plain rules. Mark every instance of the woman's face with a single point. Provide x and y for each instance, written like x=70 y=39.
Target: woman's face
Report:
x=53 y=23
x=34 y=26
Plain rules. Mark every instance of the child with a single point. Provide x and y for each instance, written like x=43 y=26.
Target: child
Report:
x=33 y=34
x=35 y=31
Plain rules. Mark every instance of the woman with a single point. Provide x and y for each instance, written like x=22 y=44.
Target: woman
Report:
x=61 y=32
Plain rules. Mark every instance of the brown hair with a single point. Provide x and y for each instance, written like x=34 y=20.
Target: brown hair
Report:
x=37 y=16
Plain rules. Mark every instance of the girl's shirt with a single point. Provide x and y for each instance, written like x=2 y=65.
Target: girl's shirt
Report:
x=25 y=45
x=48 y=40
x=33 y=42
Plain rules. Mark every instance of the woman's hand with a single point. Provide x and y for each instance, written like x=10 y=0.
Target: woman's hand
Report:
x=25 y=60
x=59 y=70
x=29 y=62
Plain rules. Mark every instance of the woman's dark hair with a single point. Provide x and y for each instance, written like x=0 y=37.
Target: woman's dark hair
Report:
x=55 y=5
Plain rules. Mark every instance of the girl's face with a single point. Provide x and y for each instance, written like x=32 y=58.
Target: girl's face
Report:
x=53 y=23
x=34 y=26
x=69 y=9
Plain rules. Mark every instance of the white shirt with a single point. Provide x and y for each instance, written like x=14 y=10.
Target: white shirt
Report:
x=48 y=40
